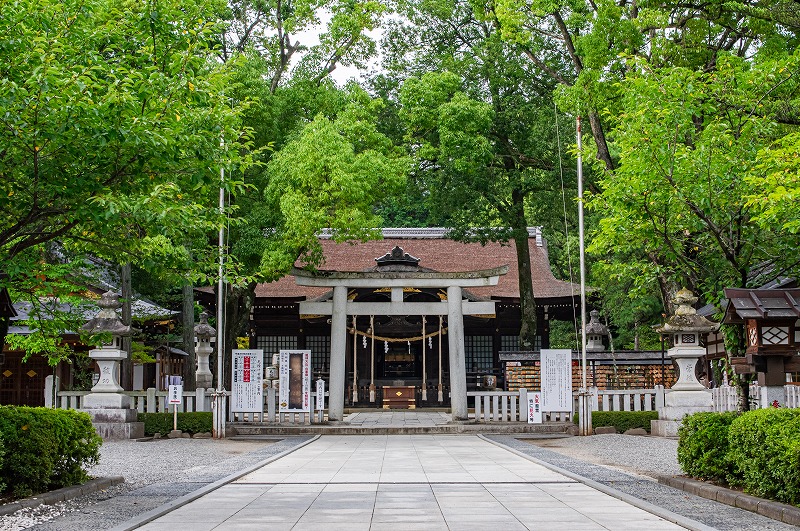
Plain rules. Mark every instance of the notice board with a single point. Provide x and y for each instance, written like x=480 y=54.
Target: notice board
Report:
x=295 y=381
x=247 y=393
x=556 y=373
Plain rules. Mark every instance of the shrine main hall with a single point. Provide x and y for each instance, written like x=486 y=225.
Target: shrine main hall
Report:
x=415 y=310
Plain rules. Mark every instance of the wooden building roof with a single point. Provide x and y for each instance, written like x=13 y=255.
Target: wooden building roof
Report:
x=436 y=253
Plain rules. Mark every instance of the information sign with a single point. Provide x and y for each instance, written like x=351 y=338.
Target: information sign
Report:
x=534 y=408
x=321 y=394
x=556 y=375
x=295 y=381
x=247 y=393
x=175 y=394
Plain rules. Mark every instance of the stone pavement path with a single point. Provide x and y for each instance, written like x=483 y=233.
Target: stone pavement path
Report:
x=406 y=482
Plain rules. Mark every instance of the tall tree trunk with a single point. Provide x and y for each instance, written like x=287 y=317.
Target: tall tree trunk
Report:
x=238 y=303
x=126 y=367
x=527 y=302
x=188 y=336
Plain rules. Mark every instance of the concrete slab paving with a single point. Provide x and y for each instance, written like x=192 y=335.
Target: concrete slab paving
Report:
x=414 y=482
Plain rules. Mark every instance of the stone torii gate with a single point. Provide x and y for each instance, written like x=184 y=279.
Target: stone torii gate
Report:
x=454 y=307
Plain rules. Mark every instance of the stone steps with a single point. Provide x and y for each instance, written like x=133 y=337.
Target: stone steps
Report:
x=251 y=429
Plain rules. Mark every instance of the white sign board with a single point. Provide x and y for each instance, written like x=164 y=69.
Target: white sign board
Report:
x=175 y=394
x=534 y=408
x=321 y=394
x=247 y=394
x=556 y=377
x=295 y=381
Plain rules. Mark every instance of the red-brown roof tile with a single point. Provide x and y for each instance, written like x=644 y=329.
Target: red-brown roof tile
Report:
x=438 y=254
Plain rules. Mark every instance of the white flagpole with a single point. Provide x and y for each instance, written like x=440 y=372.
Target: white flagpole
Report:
x=219 y=403
x=584 y=407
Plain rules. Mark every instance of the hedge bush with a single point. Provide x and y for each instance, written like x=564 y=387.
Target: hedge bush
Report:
x=703 y=445
x=197 y=422
x=764 y=450
x=623 y=420
x=45 y=448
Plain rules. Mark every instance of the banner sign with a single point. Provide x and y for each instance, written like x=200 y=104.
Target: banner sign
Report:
x=534 y=408
x=556 y=374
x=295 y=381
x=247 y=393
x=321 y=394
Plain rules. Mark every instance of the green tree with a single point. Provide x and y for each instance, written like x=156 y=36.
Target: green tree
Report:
x=112 y=115
x=480 y=123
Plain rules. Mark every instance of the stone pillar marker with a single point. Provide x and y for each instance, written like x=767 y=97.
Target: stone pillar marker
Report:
x=688 y=395
x=110 y=409
x=204 y=332
x=458 y=370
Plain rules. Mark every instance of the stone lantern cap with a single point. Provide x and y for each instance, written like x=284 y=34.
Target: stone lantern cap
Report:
x=204 y=331
x=685 y=318
x=595 y=326
x=107 y=319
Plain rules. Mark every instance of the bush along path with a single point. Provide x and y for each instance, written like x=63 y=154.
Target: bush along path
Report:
x=43 y=449
x=636 y=448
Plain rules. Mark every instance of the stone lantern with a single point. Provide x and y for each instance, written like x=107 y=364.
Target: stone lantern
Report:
x=688 y=395
x=109 y=408
x=595 y=332
x=204 y=332
x=770 y=319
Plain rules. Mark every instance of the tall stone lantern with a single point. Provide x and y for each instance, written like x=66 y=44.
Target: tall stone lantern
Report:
x=204 y=332
x=110 y=409
x=595 y=332
x=688 y=395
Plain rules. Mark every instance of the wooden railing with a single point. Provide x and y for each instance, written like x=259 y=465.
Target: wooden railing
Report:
x=628 y=399
x=508 y=406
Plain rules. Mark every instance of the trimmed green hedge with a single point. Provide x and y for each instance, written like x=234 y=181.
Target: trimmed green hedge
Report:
x=703 y=445
x=623 y=420
x=764 y=449
x=758 y=450
x=197 y=422
x=45 y=448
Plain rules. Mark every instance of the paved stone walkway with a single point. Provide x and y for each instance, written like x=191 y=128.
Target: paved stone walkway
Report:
x=406 y=482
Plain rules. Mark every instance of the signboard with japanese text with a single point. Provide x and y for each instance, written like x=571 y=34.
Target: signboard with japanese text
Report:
x=295 y=381
x=247 y=393
x=534 y=408
x=321 y=394
x=175 y=394
x=556 y=374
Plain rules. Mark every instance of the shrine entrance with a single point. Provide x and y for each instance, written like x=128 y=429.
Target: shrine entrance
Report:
x=377 y=309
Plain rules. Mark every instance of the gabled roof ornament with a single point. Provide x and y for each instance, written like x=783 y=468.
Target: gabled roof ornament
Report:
x=397 y=257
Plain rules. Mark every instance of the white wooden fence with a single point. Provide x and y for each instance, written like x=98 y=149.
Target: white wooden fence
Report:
x=508 y=406
x=153 y=401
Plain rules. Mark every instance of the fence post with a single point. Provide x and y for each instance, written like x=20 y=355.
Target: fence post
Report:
x=151 y=400
x=594 y=391
x=51 y=385
x=659 y=397
x=523 y=405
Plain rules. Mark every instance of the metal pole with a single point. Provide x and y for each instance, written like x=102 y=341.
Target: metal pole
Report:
x=219 y=403
x=584 y=407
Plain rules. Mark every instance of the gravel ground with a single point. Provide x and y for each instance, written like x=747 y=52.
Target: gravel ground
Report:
x=155 y=472
x=611 y=460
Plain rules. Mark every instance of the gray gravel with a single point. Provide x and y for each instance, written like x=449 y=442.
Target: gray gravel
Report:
x=628 y=463
x=155 y=472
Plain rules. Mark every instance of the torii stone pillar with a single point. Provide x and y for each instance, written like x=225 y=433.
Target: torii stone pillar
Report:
x=338 y=353
x=455 y=340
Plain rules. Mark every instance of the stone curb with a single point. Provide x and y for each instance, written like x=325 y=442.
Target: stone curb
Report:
x=781 y=512
x=60 y=495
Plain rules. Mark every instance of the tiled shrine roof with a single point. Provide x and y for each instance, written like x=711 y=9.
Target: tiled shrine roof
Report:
x=436 y=253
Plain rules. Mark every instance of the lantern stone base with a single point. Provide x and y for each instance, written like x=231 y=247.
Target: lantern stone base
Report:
x=678 y=404
x=115 y=423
